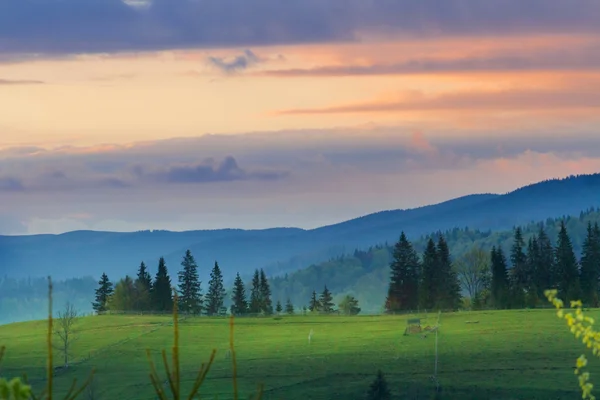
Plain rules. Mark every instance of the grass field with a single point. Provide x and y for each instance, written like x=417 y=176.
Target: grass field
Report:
x=526 y=354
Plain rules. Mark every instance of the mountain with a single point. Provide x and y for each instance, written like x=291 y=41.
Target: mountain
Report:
x=281 y=250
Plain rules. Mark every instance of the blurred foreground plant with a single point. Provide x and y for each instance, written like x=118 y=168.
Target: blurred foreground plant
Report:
x=174 y=376
x=582 y=327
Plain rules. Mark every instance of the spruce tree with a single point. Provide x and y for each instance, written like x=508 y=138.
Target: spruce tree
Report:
x=566 y=267
x=289 y=307
x=103 y=293
x=379 y=389
x=428 y=290
x=190 y=296
x=449 y=296
x=499 y=285
x=326 y=301
x=162 y=291
x=239 y=304
x=144 y=276
x=518 y=274
x=255 y=294
x=265 y=294
x=590 y=267
x=215 y=296
x=403 y=290
x=314 y=304
x=531 y=264
x=278 y=307
x=544 y=274
x=143 y=287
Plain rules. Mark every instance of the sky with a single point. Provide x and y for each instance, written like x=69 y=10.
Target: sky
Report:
x=206 y=114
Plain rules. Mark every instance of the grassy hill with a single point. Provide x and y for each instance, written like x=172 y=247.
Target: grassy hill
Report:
x=506 y=355
x=280 y=250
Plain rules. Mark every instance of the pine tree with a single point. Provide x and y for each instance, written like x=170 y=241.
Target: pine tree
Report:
x=278 y=307
x=449 y=296
x=544 y=274
x=499 y=285
x=590 y=266
x=326 y=301
x=566 y=267
x=379 y=389
x=103 y=294
x=239 y=304
x=403 y=291
x=162 y=292
x=517 y=274
x=215 y=296
x=531 y=264
x=314 y=304
x=143 y=287
x=289 y=307
x=255 y=294
x=190 y=295
x=265 y=294
x=428 y=290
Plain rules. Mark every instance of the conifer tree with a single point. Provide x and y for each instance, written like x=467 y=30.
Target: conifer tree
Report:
x=499 y=285
x=144 y=276
x=531 y=264
x=289 y=307
x=255 y=294
x=143 y=287
x=590 y=266
x=349 y=305
x=314 y=305
x=103 y=293
x=265 y=294
x=278 y=307
x=123 y=298
x=239 y=304
x=517 y=274
x=403 y=290
x=428 y=291
x=190 y=295
x=449 y=296
x=326 y=301
x=566 y=267
x=162 y=292
x=544 y=274
x=379 y=389
x=215 y=296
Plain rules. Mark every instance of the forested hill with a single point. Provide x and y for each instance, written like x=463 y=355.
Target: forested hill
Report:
x=280 y=250
x=365 y=273
x=362 y=273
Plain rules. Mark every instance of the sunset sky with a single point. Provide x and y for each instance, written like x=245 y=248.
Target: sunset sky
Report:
x=203 y=114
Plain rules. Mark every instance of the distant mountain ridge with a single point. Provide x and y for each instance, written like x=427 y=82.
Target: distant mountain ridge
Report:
x=279 y=250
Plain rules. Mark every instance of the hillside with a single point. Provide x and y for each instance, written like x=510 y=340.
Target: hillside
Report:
x=506 y=355
x=365 y=274
x=280 y=250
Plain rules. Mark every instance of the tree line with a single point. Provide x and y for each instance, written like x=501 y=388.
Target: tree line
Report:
x=144 y=294
x=494 y=279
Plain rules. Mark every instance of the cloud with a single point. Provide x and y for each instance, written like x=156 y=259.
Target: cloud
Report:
x=74 y=169
x=475 y=100
x=19 y=82
x=299 y=178
x=238 y=63
x=585 y=57
x=208 y=171
x=59 y=27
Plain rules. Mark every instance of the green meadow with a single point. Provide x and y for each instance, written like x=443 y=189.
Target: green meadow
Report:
x=524 y=354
